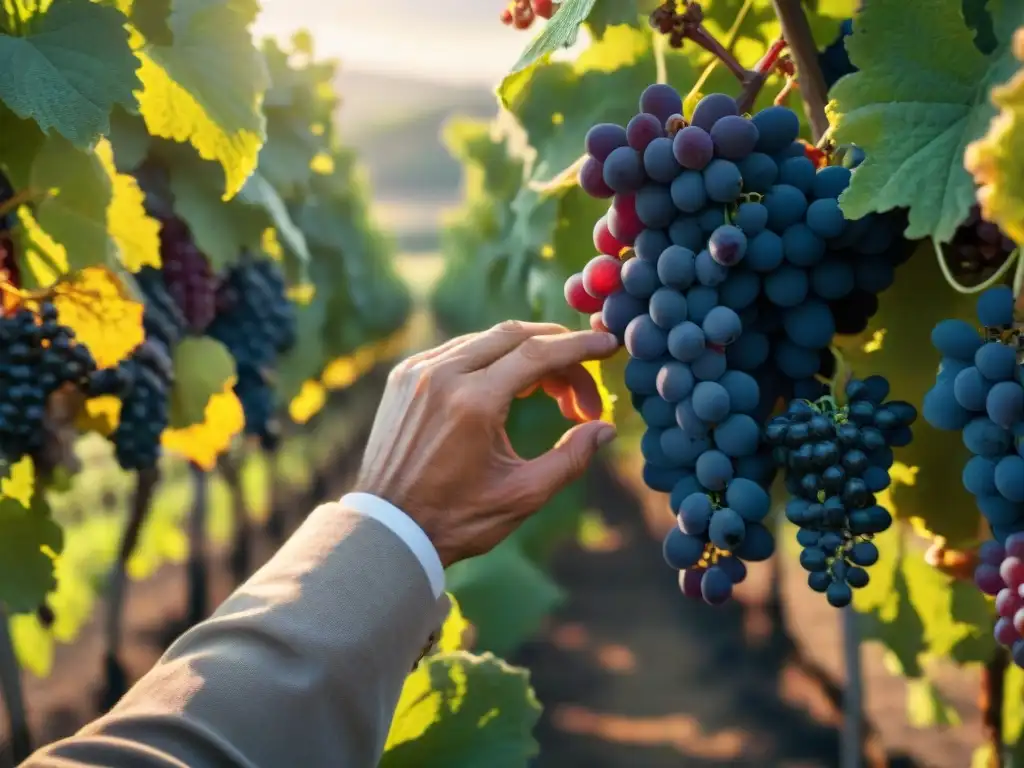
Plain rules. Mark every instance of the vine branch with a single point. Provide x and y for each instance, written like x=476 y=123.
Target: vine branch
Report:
x=797 y=32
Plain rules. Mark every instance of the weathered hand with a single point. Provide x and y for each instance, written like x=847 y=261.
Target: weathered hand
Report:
x=439 y=451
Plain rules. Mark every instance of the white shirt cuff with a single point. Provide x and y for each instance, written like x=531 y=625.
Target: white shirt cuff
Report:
x=405 y=528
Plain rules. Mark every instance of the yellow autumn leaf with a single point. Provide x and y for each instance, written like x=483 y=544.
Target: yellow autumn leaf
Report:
x=20 y=482
x=308 y=402
x=137 y=235
x=95 y=304
x=99 y=414
x=204 y=443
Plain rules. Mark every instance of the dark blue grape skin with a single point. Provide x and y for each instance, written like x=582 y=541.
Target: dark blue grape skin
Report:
x=662 y=101
x=759 y=172
x=777 y=128
x=619 y=309
x=659 y=162
x=711 y=108
x=668 y=308
x=752 y=218
x=640 y=278
x=603 y=138
x=786 y=206
x=624 y=170
x=693 y=148
x=734 y=137
x=723 y=181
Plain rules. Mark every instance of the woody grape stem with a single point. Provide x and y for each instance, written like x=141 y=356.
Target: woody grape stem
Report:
x=797 y=32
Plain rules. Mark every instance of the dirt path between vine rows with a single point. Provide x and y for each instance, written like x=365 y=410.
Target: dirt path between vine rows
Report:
x=631 y=675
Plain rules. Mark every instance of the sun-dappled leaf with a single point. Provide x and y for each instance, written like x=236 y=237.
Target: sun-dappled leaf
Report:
x=99 y=414
x=204 y=443
x=473 y=710
x=203 y=367
x=453 y=629
x=308 y=402
x=95 y=304
x=914 y=113
x=207 y=86
x=926 y=707
x=70 y=71
x=18 y=481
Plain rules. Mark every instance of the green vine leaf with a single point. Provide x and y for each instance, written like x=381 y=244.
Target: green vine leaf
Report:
x=914 y=112
x=29 y=542
x=560 y=32
x=207 y=86
x=70 y=70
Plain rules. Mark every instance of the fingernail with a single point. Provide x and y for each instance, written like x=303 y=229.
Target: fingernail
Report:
x=604 y=436
x=610 y=341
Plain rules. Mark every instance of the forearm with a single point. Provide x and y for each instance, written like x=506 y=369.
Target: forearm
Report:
x=302 y=666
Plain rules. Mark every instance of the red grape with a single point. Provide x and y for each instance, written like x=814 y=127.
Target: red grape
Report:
x=605 y=241
x=578 y=298
x=591 y=179
x=1018 y=621
x=544 y=8
x=506 y=16
x=601 y=276
x=1012 y=571
x=623 y=222
x=689 y=582
x=1008 y=602
x=1005 y=633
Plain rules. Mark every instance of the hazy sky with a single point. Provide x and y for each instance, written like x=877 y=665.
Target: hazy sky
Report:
x=447 y=40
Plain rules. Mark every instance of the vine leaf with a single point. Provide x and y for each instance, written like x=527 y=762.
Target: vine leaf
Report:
x=453 y=629
x=995 y=159
x=223 y=231
x=71 y=70
x=89 y=214
x=505 y=596
x=559 y=32
x=474 y=710
x=202 y=368
x=926 y=707
x=96 y=305
x=29 y=542
x=914 y=112
x=206 y=87
x=204 y=443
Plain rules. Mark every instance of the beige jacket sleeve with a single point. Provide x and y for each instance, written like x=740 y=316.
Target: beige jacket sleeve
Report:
x=300 y=668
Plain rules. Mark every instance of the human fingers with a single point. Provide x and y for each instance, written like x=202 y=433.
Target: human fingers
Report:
x=496 y=342
x=541 y=478
x=541 y=356
x=438 y=351
x=597 y=323
x=576 y=393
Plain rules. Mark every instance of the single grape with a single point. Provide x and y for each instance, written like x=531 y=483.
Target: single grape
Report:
x=693 y=148
x=591 y=179
x=576 y=296
x=711 y=109
x=602 y=139
x=734 y=137
x=601 y=276
x=662 y=101
x=727 y=245
x=624 y=170
x=642 y=129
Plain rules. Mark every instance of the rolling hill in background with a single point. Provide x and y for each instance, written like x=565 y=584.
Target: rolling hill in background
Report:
x=395 y=125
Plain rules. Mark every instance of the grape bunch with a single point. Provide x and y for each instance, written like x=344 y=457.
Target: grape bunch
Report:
x=725 y=267
x=716 y=533
x=1000 y=573
x=9 y=271
x=187 y=274
x=144 y=380
x=257 y=323
x=978 y=249
x=38 y=356
x=522 y=13
x=979 y=391
x=836 y=460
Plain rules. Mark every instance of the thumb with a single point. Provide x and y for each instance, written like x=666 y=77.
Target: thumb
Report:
x=568 y=460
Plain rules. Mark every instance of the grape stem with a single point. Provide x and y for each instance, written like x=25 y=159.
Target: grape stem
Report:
x=990 y=702
x=797 y=32
x=959 y=287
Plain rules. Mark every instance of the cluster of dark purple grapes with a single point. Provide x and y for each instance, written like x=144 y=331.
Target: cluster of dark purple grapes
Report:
x=188 y=276
x=143 y=381
x=726 y=268
x=147 y=378
x=256 y=322
x=716 y=533
x=38 y=356
x=836 y=459
x=979 y=391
